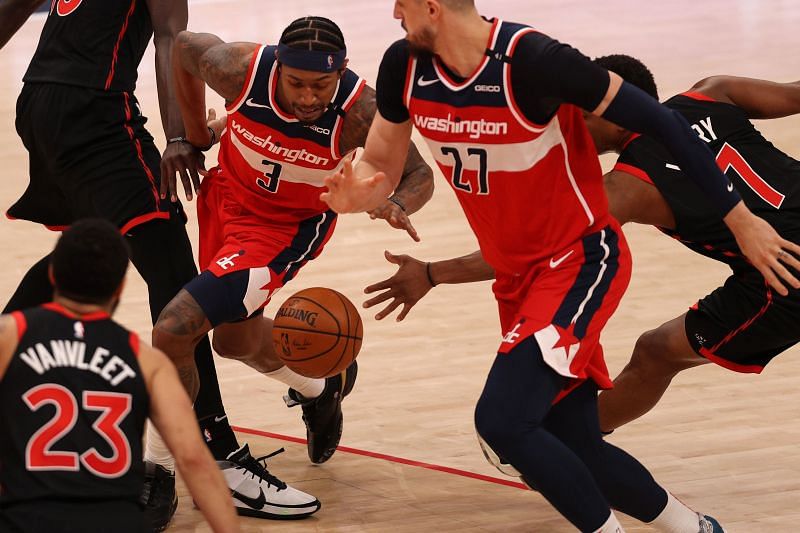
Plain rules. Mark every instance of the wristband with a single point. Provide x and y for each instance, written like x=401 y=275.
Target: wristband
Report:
x=428 y=272
x=397 y=202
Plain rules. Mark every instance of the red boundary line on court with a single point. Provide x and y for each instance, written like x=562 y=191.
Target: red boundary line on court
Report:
x=390 y=458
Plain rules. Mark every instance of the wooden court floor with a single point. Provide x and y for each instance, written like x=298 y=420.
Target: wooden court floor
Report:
x=727 y=444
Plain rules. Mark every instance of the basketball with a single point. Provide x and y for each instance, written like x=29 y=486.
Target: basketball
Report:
x=317 y=332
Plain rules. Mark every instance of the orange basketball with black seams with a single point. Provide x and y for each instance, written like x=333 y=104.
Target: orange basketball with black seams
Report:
x=317 y=332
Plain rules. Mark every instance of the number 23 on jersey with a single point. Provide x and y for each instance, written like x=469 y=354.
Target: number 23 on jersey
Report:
x=113 y=407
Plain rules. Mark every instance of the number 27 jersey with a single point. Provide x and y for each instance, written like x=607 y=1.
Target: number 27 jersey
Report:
x=528 y=190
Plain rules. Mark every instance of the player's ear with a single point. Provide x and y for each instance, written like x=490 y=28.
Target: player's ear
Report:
x=344 y=67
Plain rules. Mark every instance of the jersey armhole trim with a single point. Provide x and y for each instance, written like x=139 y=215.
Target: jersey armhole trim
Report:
x=408 y=86
x=355 y=94
x=694 y=95
x=22 y=324
x=634 y=171
x=249 y=80
x=134 y=342
x=510 y=100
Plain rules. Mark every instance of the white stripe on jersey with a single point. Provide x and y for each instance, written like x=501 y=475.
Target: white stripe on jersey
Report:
x=578 y=193
x=290 y=172
x=516 y=157
x=250 y=82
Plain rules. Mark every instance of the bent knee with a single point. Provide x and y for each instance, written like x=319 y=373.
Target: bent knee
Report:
x=655 y=354
x=495 y=423
x=241 y=347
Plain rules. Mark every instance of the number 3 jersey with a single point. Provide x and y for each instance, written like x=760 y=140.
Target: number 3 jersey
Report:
x=274 y=163
x=72 y=410
x=767 y=179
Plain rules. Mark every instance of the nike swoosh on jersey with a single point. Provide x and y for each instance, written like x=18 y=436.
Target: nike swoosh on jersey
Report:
x=424 y=83
x=251 y=103
x=255 y=503
x=555 y=262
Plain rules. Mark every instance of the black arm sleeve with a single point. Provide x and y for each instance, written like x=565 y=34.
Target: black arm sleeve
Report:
x=635 y=110
x=391 y=82
x=546 y=73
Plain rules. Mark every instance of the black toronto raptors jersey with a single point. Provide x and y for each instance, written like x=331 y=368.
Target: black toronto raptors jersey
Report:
x=767 y=179
x=92 y=43
x=72 y=410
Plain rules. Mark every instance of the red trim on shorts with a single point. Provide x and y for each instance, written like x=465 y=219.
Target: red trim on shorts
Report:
x=745 y=369
x=22 y=324
x=630 y=140
x=697 y=96
x=88 y=317
x=139 y=148
x=746 y=325
x=135 y=344
x=56 y=228
x=634 y=171
x=116 y=46
x=141 y=219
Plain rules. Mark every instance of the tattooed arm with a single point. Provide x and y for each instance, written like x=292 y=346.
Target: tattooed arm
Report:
x=203 y=58
x=416 y=184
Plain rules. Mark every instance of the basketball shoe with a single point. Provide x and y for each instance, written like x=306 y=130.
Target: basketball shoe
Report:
x=709 y=524
x=159 y=498
x=323 y=414
x=258 y=493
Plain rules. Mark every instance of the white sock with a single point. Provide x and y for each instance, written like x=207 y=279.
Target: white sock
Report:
x=309 y=387
x=612 y=525
x=156 y=451
x=676 y=518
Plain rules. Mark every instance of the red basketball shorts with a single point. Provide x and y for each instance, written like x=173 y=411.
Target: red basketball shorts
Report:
x=233 y=240
x=565 y=302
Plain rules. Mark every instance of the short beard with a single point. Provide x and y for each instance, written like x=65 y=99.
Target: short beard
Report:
x=422 y=45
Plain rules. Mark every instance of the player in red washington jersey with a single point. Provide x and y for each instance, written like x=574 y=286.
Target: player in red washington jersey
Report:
x=742 y=324
x=296 y=113
x=501 y=107
x=75 y=391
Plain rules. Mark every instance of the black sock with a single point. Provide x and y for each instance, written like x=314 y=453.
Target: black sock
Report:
x=218 y=436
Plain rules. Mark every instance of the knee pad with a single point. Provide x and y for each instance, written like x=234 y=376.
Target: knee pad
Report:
x=495 y=460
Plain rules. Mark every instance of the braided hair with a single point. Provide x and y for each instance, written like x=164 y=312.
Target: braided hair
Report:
x=313 y=33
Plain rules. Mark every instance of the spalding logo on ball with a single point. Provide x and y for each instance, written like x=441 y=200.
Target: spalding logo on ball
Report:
x=317 y=332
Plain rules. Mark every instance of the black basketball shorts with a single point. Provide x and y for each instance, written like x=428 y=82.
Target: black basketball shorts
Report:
x=744 y=324
x=90 y=156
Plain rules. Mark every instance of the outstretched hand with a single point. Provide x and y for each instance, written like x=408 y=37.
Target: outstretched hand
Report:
x=395 y=216
x=348 y=193
x=406 y=287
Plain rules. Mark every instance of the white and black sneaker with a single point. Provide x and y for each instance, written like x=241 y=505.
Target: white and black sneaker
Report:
x=258 y=493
